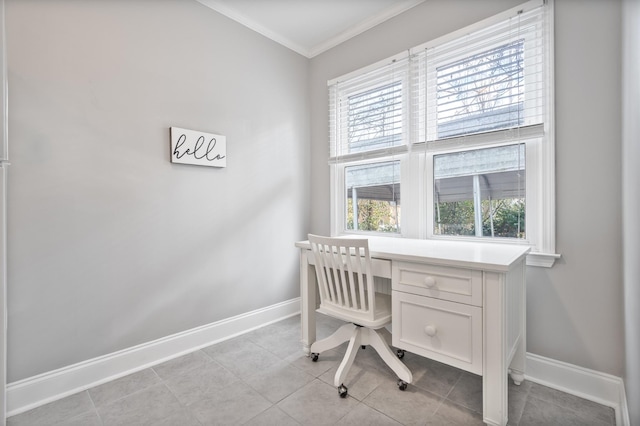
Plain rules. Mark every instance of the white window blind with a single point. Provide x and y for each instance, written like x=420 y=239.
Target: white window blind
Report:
x=488 y=80
x=367 y=113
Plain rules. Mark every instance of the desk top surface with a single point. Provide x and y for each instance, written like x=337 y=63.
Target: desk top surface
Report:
x=486 y=256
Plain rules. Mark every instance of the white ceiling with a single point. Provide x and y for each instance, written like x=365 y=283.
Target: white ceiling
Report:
x=310 y=27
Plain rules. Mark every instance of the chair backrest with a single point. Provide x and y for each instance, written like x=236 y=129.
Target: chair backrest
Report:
x=343 y=271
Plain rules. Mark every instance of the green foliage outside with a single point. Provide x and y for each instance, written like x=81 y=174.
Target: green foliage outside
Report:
x=457 y=218
x=374 y=215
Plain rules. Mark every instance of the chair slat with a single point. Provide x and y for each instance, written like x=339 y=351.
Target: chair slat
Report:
x=322 y=273
x=350 y=273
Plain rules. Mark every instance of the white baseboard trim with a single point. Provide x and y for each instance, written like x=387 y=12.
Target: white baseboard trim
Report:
x=35 y=391
x=598 y=387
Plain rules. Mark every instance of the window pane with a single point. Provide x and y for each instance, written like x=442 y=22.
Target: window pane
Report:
x=482 y=92
x=375 y=118
x=480 y=193
x=373 y=197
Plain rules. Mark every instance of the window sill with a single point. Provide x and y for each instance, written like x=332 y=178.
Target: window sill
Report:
x=543 y=260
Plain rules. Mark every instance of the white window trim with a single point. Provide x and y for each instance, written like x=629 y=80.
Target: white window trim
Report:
x=417 y=164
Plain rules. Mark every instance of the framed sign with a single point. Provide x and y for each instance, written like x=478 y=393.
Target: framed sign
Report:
x=198 y=148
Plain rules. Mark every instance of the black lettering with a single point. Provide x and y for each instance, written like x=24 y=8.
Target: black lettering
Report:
x=197 y=149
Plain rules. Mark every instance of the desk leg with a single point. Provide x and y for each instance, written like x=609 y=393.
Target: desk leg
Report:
x=307 y=301
x=519 y=287
x=518 y=364
x=494 y=379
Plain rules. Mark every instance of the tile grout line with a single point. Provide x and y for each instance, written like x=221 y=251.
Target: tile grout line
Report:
x=95 y=408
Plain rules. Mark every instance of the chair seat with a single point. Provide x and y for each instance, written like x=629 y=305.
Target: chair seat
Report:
x=382 y=314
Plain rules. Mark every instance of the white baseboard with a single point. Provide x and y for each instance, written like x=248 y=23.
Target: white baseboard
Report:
x=598 y=387
x=50 y=386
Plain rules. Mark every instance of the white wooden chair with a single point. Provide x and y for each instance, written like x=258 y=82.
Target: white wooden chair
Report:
x=345 y=281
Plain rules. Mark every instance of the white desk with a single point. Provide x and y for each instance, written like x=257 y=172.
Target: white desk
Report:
x=460 y=303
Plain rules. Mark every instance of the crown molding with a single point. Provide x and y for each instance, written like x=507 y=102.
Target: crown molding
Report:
x=310 y=52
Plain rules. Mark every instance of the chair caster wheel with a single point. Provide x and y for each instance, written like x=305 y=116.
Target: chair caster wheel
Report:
x=402 y=385
x=363 y=346
x=314 y=357
x=400 y=353
x=342 y=391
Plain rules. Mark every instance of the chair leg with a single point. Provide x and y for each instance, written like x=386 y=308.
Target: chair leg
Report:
x=349 y=356
x=376 y=339
x=385 y=334
x=340 y=336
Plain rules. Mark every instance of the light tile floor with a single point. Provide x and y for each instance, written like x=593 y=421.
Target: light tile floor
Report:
x=262 y=378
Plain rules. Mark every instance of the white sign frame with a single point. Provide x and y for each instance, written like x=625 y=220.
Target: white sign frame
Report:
x=198 y=148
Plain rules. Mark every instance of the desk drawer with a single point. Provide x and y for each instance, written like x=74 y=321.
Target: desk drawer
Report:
x=440 y=282
x=444 y=331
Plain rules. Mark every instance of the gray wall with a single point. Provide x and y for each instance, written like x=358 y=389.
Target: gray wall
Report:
x=575 y=308
x=111 y=245
x=631 y=201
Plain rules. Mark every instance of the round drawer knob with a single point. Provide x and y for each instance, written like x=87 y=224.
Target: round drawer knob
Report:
x=429 y=282
x=430 y=330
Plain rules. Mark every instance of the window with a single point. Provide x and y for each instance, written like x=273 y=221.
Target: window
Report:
x=373 y=197
x=481 y=192
x=368 y=134
x=462 y=127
